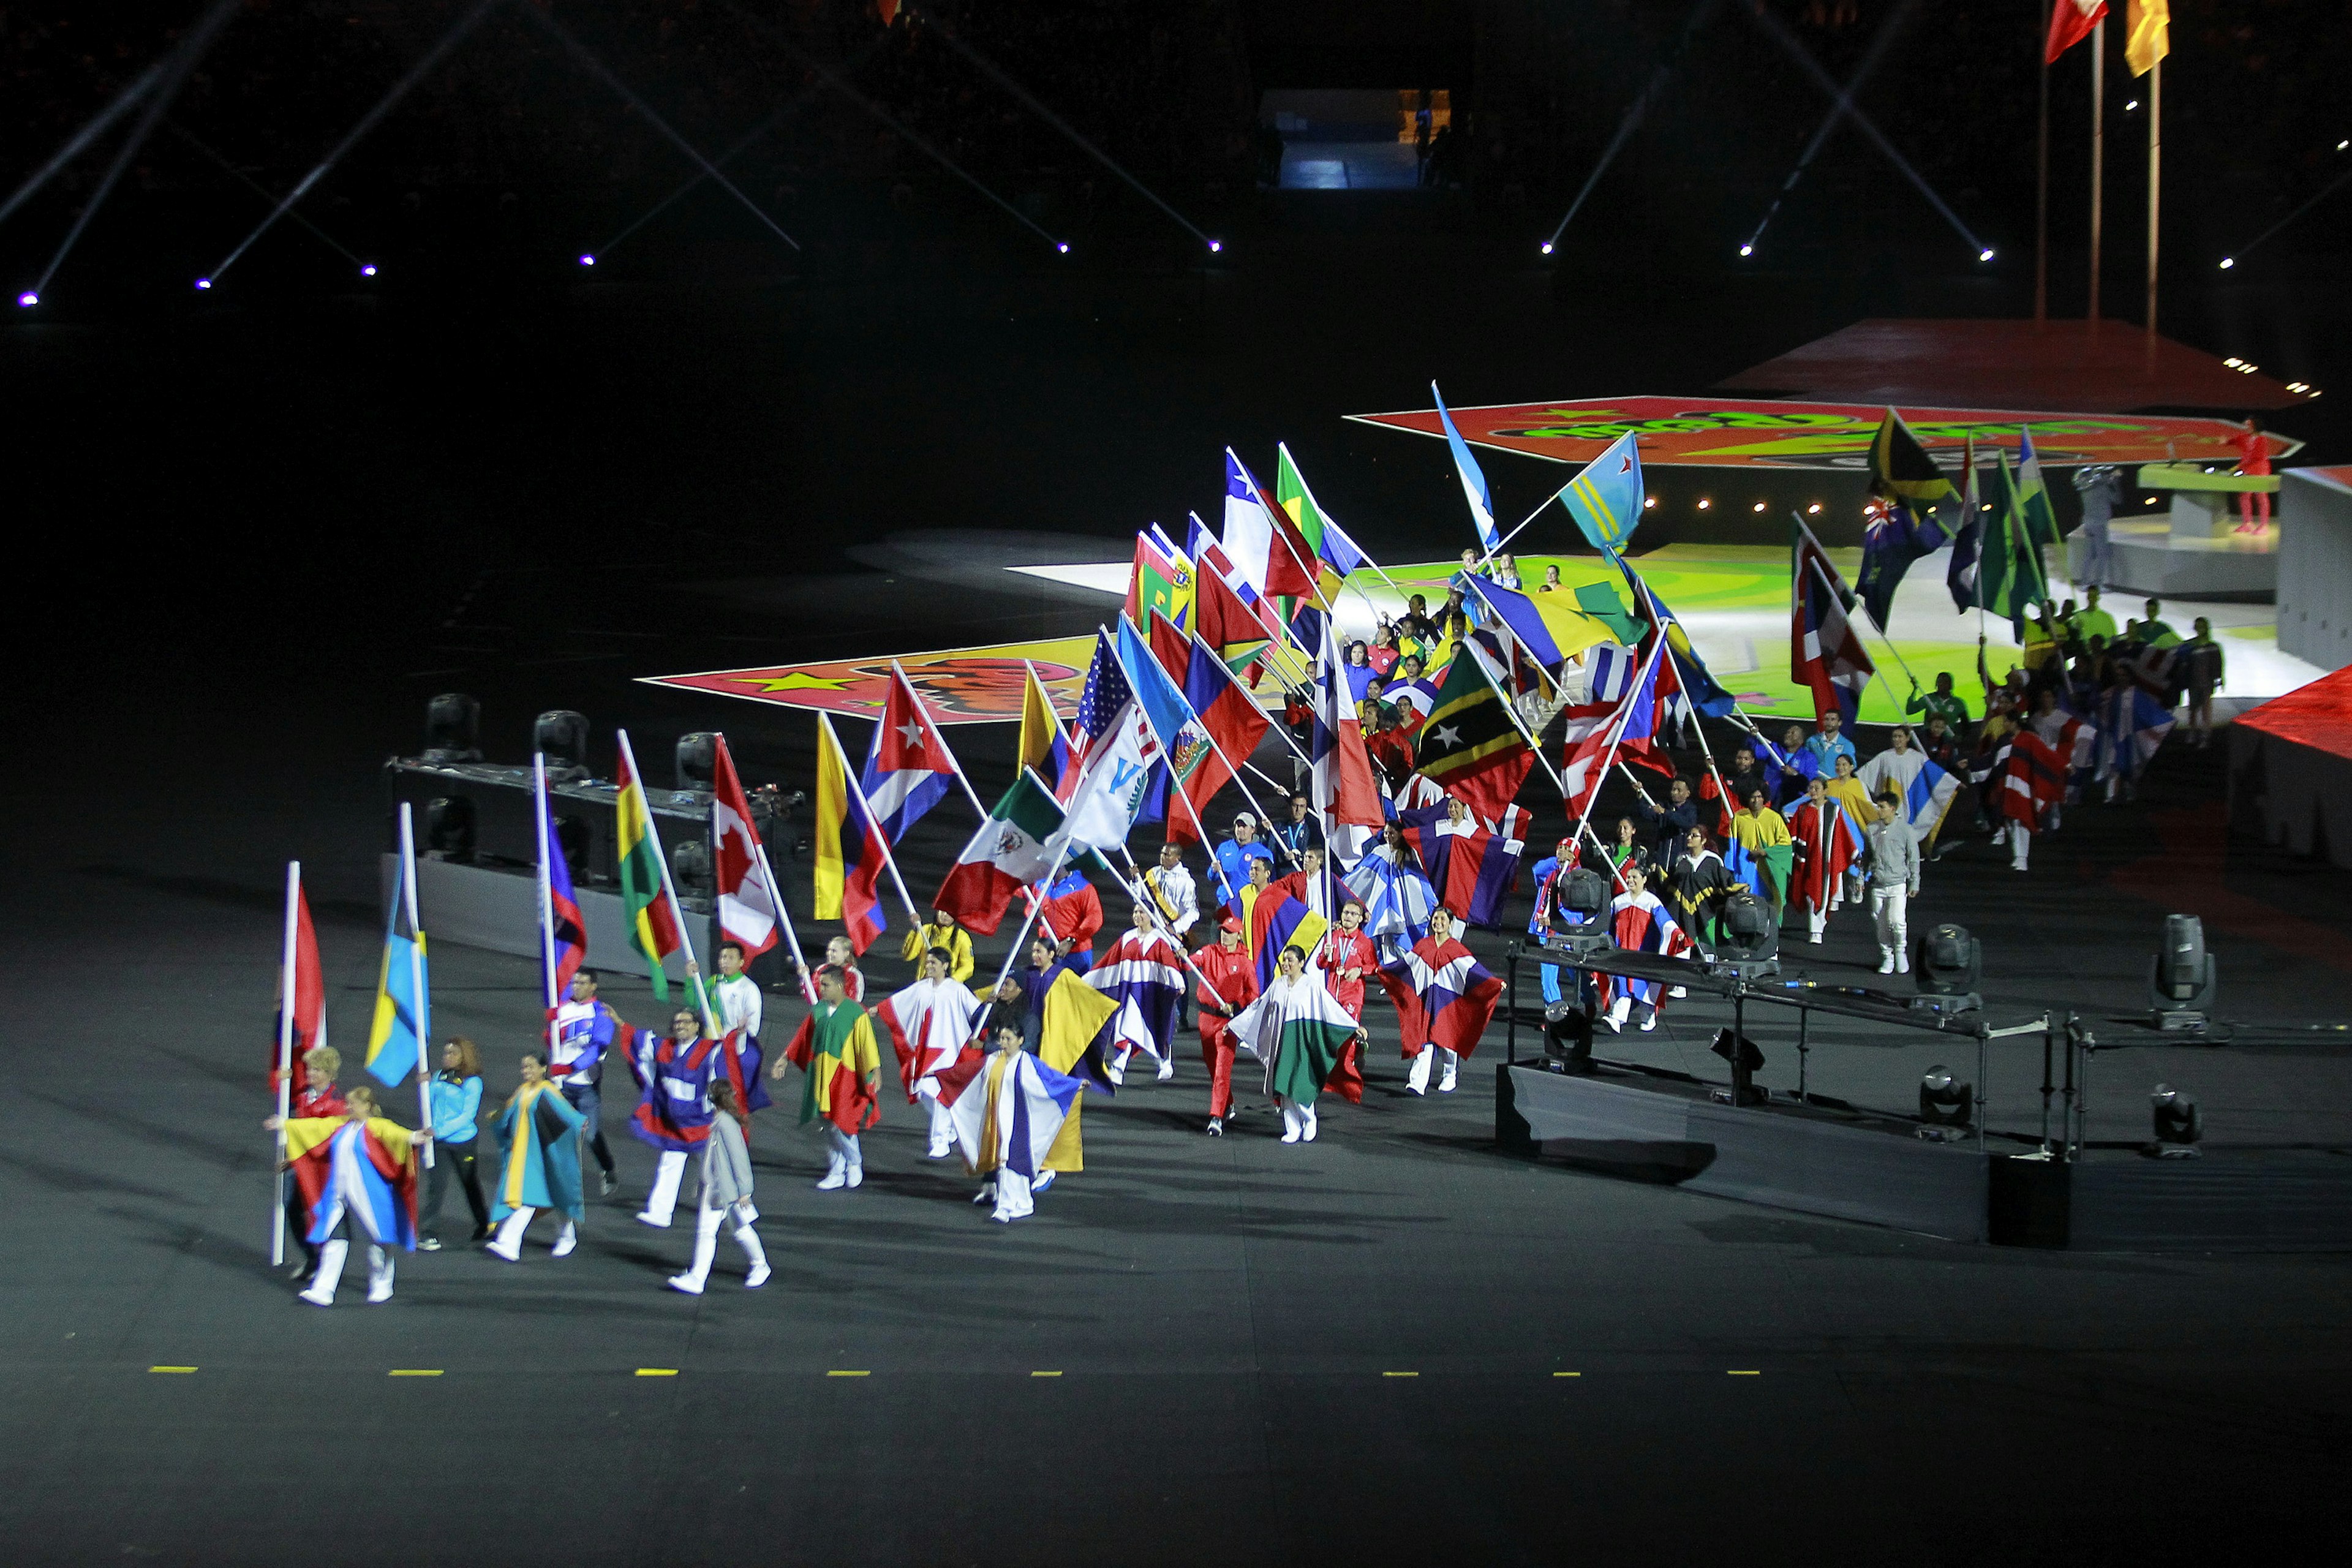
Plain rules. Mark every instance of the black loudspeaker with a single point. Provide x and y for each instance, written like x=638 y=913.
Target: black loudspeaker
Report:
x=1948 y=962
x=1582 y=892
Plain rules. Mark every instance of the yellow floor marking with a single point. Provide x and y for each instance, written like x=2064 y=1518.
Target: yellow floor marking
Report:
x=1045 y=1375
x=416 y=1372
x=849 y=1375
x=1400 y=1374
x=657 y=1371
x=1736 y=1371
x=171 y=1369
x=1567 y=1375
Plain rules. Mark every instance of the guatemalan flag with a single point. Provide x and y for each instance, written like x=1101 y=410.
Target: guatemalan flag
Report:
x=908 y=766
x=1826 y=653
x=1444 y=995
x=1471 y=864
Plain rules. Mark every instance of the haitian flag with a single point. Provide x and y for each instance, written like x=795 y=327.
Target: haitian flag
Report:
x=1193 y=765
x=1825 y=653
x=908 y=766
x=1444 y=995
x=849 y=847
x=1471 y=864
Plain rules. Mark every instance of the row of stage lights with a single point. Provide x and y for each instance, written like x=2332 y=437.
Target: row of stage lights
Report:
x=29 y=297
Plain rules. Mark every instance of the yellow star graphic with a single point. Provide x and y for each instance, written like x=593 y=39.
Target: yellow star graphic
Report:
x=794 y=680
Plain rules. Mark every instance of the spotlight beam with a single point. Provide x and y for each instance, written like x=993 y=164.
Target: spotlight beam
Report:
x=257 y=188
x=81 y=140
x=1779 y=32
x=1838 y=111
x=775 y=35
x=2324 y=192
x=177 y=65
x=383 y=106
x=980 y=63
x=597 y=67
x=1633 y=113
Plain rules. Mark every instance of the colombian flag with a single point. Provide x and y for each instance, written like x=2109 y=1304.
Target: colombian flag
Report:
x=848 y=846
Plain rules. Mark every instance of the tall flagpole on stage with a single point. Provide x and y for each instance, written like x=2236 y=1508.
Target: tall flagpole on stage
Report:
x=2098 y=157
x=419 y=1016
x=285 y=1068
x=2042 y=182
x=669 y=890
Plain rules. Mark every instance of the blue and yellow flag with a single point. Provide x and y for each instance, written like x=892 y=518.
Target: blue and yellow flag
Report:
x=1605 y=498
x=404 y=1012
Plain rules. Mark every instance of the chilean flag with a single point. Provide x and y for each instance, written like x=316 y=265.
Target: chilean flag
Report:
x=909 y=767
x=1444 y=995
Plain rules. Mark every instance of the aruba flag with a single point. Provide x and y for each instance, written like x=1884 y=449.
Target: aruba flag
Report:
x=1605 y=497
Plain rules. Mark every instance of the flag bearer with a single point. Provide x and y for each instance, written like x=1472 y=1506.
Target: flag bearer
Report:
x=835 y=1049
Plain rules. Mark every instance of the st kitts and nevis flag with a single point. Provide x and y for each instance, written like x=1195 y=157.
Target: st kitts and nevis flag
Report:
x=1021 y=841
x=567 y=928
x=1469 y=746
x=1908 y=484
x=1968 y=538
x=1194 y=767
x=1605 y=498
x=1261 y=540
x=1825 y=652
x=645 y=909
x=1045 y=744
x=1473 y=477
x=403 y=1007
x=1335 y=555
x=908 y=766
x=850 y=849
x=1159 y=582
x=748 y=904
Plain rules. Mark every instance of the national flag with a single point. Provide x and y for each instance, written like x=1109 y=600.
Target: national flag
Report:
x=748 y=902
x=1397 y=896
x=1895 y=536
x=1045 y=744
x=929 y=1023
x=1473 y=480
x=1640 y=923
x=2132 y=726
x=1596 y=730
x=1967 y=540
x=1900 y=469
x=1228 y=626
x=1012 y=1112
x=383 y=1199
x=2018 y=586
x=1230 y=713
x=404 y=1009
x=1344 y=795
x=567 y=927
x=1171 y=648
x=1444 y=995
x=1018 y=844
x=1273 y=921
x=1260 y=538
x=1469 y=746
x=1160 y=581
x=849 y=847
x=1926 y=798
x=308 y=1001
x=1605 y=498
x=1335 y=555
x=1689 y=672
x=2071 y=22
x=1310 y=1031
x=646 y=917
x=2148 y=35
x=1826 y=653
x=2032 y=782
x=1831 y=843
x=1470 y=863
x=1143 y=973
x=1185 y=740
x=1074 y=1030
x=2033 y=497
x=1116 y=753
x=1550 y=632
x=1600 y=601
x=907 y=765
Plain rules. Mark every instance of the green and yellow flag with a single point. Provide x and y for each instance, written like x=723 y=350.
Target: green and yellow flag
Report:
x=653 y=934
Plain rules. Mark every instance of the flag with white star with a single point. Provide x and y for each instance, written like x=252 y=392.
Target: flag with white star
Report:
x=909 y=767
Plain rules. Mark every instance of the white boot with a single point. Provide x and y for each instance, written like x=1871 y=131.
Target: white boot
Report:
x=321 y=1292
x=1116 y=1069
x=379 y=1275
x=855 y=1156
x=1902 y=961
x=942 y=1129
x=749 y=1240
x=1619 y=1011
x=1290 y=1122
x=1416 y=1078
x=706 y=1246
x=1814 y=925
x=566 y=1239
x=1013 y=1200
x=836 y=1159
x=1445 y=1059
x=1306 y=1123
x=1167 y=1069
x=1886 y=960
x=662 y=1202
x=508 y=1243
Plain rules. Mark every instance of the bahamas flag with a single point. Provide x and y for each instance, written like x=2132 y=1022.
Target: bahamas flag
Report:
x=1335 y=555
x=403 y=1017
x=645 y=912
x=1605 y=497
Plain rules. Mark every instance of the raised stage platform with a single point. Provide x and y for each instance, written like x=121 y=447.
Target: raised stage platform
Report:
x=2291 y=770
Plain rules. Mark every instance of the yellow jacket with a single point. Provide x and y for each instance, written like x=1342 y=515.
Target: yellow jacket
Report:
x=1758 y=832
x=958 y=941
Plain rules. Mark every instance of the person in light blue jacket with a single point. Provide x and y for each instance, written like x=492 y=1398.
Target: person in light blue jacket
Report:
x=457 y=1091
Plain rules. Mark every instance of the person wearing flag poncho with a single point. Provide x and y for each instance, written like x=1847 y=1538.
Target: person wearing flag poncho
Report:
x=1827 y=844
x=1444 y=999
x=1638 y=922
x=1015 y=1121
x=835 y=1049
x=357 y=1176
x=929 y=1023
x=1345 y=956
x=539 y=1129
x=1298 y=1030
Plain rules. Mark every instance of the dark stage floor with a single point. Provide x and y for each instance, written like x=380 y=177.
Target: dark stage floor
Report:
x=1393 y=1346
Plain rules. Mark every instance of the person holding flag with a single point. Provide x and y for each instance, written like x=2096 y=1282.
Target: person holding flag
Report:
x=1345 y=957
x=586 y=1028
x=736 y=1000
x=940 y=932
x=1444 y=999
x=674 y=1114
x=929 y=1023
x=1144 y=973
x=835 y=1051
x=1827 y=843
x=750 y=908
x=541 y=1131
x=357 y=1173
x=1298 y=1030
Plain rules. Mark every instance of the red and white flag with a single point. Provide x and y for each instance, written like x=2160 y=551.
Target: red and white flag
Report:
x=2071 y=22
x=909 y=767
x=747 y=899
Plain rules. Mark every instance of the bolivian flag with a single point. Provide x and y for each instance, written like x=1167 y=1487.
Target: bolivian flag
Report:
x=653 y=934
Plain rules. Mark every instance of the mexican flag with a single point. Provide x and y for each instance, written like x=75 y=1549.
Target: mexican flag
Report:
x=652 y=934
x=1018 y=844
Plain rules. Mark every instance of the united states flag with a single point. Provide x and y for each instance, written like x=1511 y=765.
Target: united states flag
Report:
x=1106 y=696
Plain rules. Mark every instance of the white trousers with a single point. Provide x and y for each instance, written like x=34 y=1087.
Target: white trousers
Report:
x=707 y=1222
x=1417 y=1075
x=1013 y=1199
x=1888 y=910
x=332 y=1256
x=1298 y=1121
x=509 y=1240
x=2021 y=845
x=662 y=1202
x=943 y=1120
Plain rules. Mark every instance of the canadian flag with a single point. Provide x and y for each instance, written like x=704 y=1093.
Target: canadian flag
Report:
x=747 y=900
x=2071 y=22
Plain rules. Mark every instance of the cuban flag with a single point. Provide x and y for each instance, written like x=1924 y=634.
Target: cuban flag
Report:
x=1826 y=653
x=1926 y=798
x=1443 y=996
x=908 y=766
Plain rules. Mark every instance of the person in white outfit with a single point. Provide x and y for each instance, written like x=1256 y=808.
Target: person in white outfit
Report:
x=935 y=1016
x=1894 y=879
x=355 y=1200
x=725 y=1194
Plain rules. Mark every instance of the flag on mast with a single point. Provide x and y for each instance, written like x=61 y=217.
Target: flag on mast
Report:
x=644 y=910
x=404 y=1016
x=849 y=848
x=747 y=902
x=2148 y=35
x=1020 y=842
x=1826 y=653
x=567 y=928
x=1605 y=498
x=1335 y=555
x=907 y=767
x=2071 y=22
x=1968 y=540
x=1261 y=539
x=1474 y=478
x=1045 y=744
x=1160 y=581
